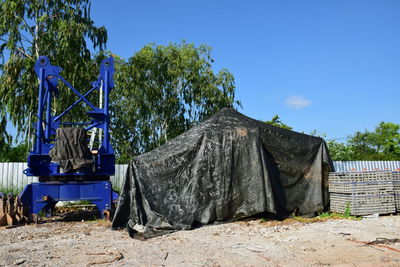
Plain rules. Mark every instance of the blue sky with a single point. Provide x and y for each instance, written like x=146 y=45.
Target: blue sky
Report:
x=330 y=66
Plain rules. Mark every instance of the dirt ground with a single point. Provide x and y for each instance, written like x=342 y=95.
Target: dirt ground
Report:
x=245 y=243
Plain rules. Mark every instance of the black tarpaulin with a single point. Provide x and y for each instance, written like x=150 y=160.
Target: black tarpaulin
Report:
x=226 y=168
x=71 y=149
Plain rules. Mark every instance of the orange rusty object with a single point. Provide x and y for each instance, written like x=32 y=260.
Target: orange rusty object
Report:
x=12 y=212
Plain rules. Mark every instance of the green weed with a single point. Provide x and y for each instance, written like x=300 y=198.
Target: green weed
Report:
x=76 y=203
x=347 y=210
x=117 y=189
x=14 y=190
x=323 y=216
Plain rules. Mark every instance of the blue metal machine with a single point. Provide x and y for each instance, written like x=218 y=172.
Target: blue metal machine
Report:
x=55 y=185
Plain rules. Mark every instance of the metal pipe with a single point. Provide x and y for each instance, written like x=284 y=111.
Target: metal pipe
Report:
x=92 y=126
x=75 y=123
x=74 y=104
x=75 y=91
x=40 y=114
x=106 y=88
x=48 y=116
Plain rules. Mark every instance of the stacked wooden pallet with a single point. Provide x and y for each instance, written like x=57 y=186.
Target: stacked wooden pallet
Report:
x=362 y=193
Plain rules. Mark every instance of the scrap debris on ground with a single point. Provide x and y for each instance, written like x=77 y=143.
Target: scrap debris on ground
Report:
x=366 y=242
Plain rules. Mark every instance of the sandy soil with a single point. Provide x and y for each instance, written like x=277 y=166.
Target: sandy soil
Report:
x=246 y=243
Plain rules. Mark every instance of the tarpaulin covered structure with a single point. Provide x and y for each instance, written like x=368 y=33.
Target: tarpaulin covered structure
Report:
x=225 y=168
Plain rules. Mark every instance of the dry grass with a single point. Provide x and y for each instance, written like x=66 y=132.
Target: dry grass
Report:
x=303 y=220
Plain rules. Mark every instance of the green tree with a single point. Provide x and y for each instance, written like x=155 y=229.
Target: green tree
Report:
x=161 y=91
x=361 y=144
x=17 y=153
x=276 y=121
x=386 y=139
x=5 y=139
x=381 y=144
x=317 y=133
x=340 y=151
x=59 y=29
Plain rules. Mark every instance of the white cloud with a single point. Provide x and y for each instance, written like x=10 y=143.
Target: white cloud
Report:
x=297 y=102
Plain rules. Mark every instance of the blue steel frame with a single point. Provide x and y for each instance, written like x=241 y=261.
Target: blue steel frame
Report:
x=45 y=195
x=39 y=163
x=38 y=196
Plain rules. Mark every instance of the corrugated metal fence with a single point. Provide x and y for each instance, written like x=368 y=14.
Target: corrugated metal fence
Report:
x=349 y=166
x=12 y=177
x=118 y=178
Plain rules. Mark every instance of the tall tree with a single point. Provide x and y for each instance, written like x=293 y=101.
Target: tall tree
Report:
x=5 y=139
x=62 y=30
x=339 y=151
x=17 y=153
x=161 y=91
x=381 y=144
x=276 y=121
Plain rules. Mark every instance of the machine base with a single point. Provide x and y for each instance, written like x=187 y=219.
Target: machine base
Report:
x=44 y=196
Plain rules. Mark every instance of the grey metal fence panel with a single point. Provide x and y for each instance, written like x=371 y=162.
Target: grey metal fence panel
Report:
x=118 y=178
x=12 y=176
x=348 y=166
